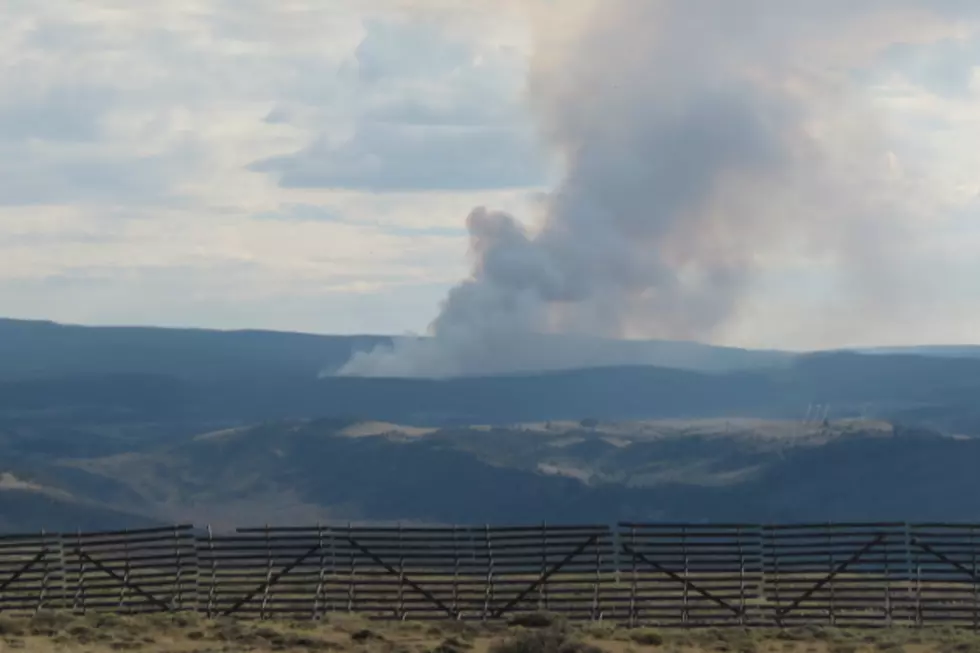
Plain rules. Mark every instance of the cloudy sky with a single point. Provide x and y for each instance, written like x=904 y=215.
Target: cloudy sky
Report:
x=309 y=164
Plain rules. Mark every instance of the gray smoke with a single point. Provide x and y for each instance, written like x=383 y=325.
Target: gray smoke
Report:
x=701 y=140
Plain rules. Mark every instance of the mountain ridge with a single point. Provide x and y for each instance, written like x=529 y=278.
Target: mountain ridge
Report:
x=127 y=425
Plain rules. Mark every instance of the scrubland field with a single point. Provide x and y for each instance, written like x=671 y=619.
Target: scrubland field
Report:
x=536 y=633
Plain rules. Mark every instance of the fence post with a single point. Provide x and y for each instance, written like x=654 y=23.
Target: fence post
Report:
x=918 y=588
x=910 y=572
x=400 y=610
x=353 y=577
x=44 y=574
x=178 y=592
x=830 y=571
x=456 y=609
x=123 y=591
x=317 y=597
x=973 y=568
x=78 y=604
x=685 y=613
x=596 y=588
x=888 y=582
x=741 y=576
x=268 y=575
x=543 y=587
x=633 y=588
x=488 y=590
x=334 y=579
x=63 y=568
x=214 y=574
x=774 y=559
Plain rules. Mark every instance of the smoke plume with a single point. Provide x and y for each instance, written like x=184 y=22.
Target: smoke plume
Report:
x=701 y=141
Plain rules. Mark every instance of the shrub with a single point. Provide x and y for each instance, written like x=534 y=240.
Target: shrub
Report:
x=647 y=637
x=539 y=619
x=545 y=640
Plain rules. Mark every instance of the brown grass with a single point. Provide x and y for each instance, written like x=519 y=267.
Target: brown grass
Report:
x=188 y=633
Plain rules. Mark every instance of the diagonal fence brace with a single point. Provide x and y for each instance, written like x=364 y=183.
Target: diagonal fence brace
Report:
x=496 y=614
x=782 y=612
x=408 y=581
x=944 y=558
x=26 y=567
x=271 y=581
x=136 y=588
x=637 y=555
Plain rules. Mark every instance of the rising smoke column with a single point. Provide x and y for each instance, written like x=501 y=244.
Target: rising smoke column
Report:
x=698 y=138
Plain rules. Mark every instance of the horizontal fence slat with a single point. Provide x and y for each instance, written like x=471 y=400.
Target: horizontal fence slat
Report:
x=665 y=574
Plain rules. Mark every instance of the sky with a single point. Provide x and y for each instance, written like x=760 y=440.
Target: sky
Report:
x=309 y=165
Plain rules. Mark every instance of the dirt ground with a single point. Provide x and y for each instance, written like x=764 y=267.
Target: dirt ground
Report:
x=52 y=632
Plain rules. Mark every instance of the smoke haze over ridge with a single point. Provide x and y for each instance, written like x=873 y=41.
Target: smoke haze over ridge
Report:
x=700 y=143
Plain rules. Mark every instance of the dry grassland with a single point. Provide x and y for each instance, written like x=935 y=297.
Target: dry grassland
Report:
x=189 y=633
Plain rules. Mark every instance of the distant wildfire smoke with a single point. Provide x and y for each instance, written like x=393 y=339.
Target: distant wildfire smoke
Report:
x=700 y=141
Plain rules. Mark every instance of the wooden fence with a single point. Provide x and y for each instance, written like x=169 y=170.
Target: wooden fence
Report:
x=670 y=575
x=124 y=571
x=416 y=573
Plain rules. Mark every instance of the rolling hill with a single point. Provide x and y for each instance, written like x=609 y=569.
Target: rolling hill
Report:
x=678 y=470
x=122 y=425
x=27 y=507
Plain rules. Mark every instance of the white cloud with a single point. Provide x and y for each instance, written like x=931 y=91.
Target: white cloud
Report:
x=438 y=112
x=318 y=250
x=125 y=139
x=205 y=77
x=403 y=157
